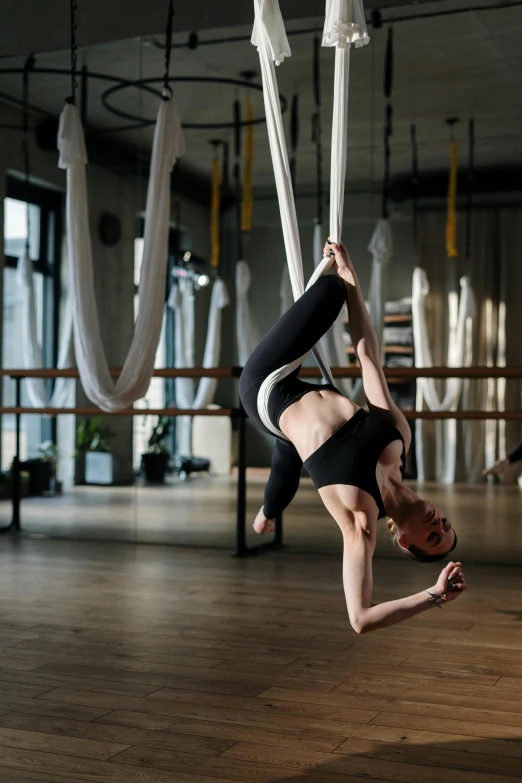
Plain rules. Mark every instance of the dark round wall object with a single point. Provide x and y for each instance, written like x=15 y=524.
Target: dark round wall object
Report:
x=109 y=229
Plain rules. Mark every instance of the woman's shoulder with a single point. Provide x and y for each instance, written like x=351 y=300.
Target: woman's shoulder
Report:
x=353 y=509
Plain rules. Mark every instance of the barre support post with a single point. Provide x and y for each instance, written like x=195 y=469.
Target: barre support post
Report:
x=241 y=547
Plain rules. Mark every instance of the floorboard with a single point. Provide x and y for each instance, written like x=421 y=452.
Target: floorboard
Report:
x=159 y=664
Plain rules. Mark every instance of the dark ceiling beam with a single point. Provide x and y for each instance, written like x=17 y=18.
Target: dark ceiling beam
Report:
x=435 y=184
x=31 y=26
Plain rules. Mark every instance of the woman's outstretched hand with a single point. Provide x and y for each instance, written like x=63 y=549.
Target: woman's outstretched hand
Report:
x=451 y=582
x=497 y=469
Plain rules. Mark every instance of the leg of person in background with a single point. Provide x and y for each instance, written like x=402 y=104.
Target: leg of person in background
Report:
x=282 y=485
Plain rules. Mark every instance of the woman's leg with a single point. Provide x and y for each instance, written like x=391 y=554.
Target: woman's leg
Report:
x=281 y=487
x=296 y=333
x=283 y=482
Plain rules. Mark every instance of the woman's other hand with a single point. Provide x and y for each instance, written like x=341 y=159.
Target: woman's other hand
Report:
x=497 y=469
x=342 y=261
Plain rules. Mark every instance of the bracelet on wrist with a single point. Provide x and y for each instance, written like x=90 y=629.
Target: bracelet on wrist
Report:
x=437 y=598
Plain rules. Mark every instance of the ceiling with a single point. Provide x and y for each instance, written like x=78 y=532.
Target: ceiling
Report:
x=100 y=21
x=460 y=64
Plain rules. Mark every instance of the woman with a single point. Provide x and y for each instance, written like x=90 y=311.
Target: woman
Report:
x=355 y=459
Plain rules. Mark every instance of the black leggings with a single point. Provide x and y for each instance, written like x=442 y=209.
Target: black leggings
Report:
x=296 y=333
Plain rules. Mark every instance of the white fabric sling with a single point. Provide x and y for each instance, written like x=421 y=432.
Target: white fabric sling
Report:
x=182 y=302
x=381 y=248
x=32 y=352
x=244 y=328
x=138 y=367
x=344 y=25
x=459 y=354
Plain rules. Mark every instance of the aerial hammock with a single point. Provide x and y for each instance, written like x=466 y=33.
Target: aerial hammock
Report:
x=182 y=301
x=461 y=314
x=187 y=396
x=168 y=146
x=32 y=351
x=344 y=25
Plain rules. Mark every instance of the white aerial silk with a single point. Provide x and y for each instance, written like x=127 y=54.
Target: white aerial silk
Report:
x=138 y=367
x=344 y=26
x=285 y=290
x=333 y=342
x=381 y=248
x=32 y=352
x=459 y=354
x=182 y=302
x=244 y=329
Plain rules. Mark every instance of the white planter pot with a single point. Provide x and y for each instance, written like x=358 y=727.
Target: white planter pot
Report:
x=98 y=467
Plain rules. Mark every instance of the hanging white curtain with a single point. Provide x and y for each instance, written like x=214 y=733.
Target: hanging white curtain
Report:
x=459 y=354
x=246 y=341
x=32 y=352
x=381 y=248
x=344 y=25
x=182 y=301
x=285 y=291
x=90 y=356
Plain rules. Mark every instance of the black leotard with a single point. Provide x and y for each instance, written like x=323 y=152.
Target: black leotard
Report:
x=351 y=454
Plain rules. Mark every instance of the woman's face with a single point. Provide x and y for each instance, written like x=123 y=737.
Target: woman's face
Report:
x=428 y=529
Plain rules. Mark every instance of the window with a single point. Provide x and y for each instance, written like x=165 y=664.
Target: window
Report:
x=31 y=212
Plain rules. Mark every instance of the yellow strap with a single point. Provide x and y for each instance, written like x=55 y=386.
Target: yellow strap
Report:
x=214 y=214
x=451 y=219
x=246 y=213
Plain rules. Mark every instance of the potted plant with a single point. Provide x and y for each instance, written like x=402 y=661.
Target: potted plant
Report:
x=42 y=470
x=93 y=445
x=49 y=456
x=155 y=461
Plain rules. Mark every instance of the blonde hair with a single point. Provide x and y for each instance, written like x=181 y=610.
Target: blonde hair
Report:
x=414 y=552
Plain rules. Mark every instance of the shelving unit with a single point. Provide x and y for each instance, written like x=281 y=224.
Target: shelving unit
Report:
x=392 y=349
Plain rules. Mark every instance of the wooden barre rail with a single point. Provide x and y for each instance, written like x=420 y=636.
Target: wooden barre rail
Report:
x=400 y=373
x=125 y=412
x=409 y=414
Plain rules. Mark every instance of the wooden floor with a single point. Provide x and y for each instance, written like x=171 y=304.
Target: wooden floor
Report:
x=201 y=512
x=124 y=663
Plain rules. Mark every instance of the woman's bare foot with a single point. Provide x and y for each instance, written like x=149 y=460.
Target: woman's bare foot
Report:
x=262 y=524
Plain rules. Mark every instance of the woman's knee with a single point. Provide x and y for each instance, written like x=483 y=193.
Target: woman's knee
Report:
x=333 y=284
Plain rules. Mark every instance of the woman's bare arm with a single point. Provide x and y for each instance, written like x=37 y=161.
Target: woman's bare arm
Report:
x=358 y=585
x=366 y=345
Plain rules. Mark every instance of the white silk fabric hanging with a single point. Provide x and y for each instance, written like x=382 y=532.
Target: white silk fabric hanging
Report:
x=32 y=352
x=138 y=367
x=344 y=25
x=246 y=341
x=182 y=302
x=459 y=354
x=381 y=248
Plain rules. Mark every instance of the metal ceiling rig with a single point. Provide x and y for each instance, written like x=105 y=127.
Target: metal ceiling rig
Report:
x=117 y=84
